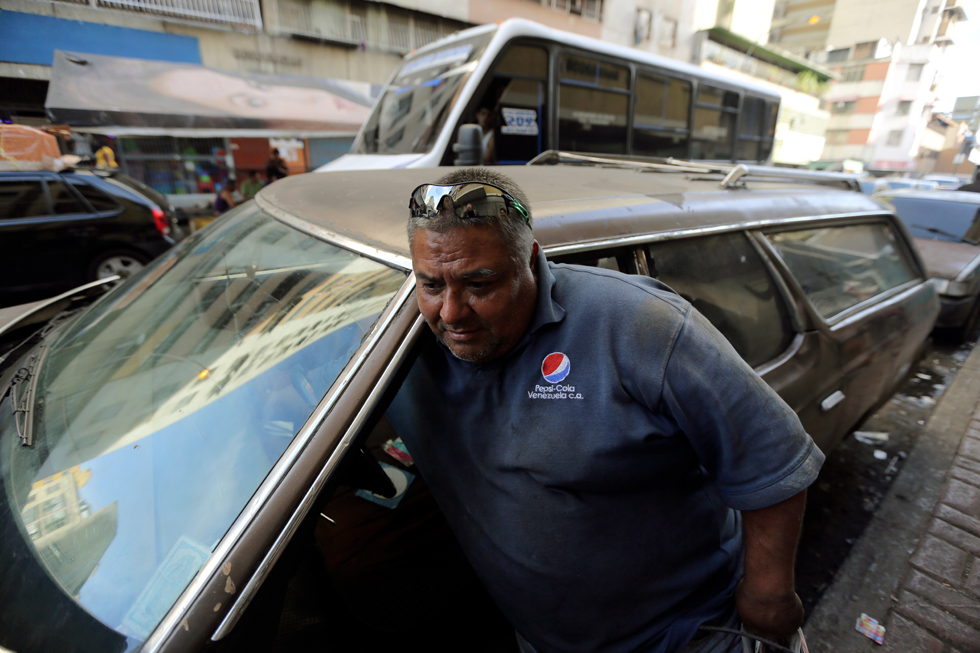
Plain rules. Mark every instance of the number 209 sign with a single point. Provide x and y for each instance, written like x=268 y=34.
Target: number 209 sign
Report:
x=523 y=122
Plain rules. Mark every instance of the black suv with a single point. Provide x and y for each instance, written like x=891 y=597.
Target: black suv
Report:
x=60 y=230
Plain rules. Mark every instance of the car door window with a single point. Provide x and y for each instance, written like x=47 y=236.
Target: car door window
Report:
x=100 y=201
x=840 y=267
x=22 y=199
x=725 y=279
x=63 y=200
x=620 y=259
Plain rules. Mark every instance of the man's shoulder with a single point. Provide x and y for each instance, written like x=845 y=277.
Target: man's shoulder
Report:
x=604 y=288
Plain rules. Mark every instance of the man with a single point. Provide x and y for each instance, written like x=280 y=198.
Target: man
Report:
x=251 y=185
x=591 y=440
x=484 y=118
x=974 y=186
x=276 y=167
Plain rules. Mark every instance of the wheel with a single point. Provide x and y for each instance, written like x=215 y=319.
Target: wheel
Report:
x=116 y=262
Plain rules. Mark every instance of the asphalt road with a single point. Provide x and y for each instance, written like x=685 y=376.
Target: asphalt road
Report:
x=859 y=471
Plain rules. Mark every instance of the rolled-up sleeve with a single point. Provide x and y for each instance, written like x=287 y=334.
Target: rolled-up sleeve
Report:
x=746 y=437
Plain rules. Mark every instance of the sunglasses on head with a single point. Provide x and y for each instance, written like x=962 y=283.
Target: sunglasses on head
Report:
x=468 y=200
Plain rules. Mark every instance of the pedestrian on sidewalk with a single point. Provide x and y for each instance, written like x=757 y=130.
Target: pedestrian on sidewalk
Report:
x=617 y=475
x=251 y=185
x=225 y=199
x=276 y=167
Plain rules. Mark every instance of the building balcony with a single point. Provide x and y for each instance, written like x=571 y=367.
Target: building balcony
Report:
x=235 y=14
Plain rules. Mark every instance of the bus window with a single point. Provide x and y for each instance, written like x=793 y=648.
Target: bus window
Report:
x=714 y=124
x=772 y=111
x=752 y=129
x=513 y=110
x=593 y=103
x=660 y=116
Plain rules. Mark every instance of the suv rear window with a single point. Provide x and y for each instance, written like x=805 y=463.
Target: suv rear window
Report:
x=840 y=267
x=726 y=281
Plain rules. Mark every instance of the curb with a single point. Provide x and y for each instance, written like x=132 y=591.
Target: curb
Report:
x=900 y=570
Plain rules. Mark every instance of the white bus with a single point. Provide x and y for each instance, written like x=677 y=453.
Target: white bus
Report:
x=537 y=89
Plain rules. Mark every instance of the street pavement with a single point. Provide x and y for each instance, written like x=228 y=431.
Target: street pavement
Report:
x=916 y=568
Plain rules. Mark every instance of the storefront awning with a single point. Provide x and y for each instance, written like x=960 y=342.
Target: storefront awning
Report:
x=136 y=97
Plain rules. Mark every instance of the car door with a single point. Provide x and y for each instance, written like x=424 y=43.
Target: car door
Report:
x=69 y=233
x=866 y=293
x=727 y=279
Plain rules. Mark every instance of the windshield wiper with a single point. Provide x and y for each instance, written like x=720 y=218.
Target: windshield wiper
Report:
x=933 y=230
x=24 y=405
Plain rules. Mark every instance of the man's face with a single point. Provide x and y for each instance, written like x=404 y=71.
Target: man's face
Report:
x=483 y=117
x=475 y=297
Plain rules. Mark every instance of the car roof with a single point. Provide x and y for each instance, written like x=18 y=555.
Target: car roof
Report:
x=571 y=205
x=935 y=195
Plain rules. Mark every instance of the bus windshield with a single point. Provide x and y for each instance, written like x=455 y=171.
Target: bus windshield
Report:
x=411 y=112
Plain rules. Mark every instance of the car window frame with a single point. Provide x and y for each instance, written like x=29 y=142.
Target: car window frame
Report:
x=87 y=209
x=856 y=312
x=36 y=178
x=78 y=180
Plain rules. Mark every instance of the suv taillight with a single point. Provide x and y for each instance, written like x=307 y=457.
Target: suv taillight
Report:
x=161 y=222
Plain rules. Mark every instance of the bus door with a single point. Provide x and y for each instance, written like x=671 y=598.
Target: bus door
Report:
x=513 y=109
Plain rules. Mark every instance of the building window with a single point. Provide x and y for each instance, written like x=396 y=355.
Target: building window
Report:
x=837 y=137
x=843 y=107
x=915 y=72
x=852 y=74
x=838 y=55
x=903 y=108
x=894 y=138
x=865 y=50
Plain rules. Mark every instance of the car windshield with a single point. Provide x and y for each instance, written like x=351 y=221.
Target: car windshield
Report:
x=954 y=222
x=160 y=410
x=413 y=108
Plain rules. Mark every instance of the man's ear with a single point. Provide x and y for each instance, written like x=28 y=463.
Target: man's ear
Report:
x=532 y=262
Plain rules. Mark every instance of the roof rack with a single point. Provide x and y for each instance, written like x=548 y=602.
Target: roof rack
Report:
x=733 y=174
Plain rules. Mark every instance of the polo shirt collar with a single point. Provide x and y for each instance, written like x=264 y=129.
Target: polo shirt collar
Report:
x=546 y=310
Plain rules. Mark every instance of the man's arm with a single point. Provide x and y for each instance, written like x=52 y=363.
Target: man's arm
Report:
x=766 y=597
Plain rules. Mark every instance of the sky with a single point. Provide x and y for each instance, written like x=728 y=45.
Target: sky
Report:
x=962 y=74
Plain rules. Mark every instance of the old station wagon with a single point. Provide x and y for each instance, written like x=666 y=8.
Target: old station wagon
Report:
x=197 y=459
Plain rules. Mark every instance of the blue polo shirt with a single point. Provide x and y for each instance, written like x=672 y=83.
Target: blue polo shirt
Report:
x=593 y=475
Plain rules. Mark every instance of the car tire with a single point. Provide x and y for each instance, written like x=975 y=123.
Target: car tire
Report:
x=123 y=262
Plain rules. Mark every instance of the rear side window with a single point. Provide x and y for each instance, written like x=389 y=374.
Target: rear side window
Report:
x=726 y=281
x=840 y=267
x=593 y=103
x=22 y=199
x=100 y=201
x=950 y=221
x=63 y=200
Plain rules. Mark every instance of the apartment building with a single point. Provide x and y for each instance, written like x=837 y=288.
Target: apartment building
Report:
x=888 y=55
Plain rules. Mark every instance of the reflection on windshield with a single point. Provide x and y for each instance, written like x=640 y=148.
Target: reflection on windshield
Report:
x=414 y=107
x=162 y=409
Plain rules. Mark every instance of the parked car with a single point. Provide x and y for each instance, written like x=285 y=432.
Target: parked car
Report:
x=946 y=228
x=60 y=230
x=199 y=457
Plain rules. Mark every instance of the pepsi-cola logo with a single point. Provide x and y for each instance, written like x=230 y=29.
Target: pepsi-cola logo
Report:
x=555 y=367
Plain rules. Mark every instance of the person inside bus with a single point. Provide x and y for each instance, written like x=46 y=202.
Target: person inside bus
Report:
x=484 y=118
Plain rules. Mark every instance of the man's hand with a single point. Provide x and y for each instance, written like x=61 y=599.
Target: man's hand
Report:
x=765 y=597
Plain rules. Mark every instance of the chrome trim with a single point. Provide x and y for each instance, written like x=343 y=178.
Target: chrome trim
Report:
x=788 y=353
x=380 y=255
x=65 y=295
x=969 y=269
x=734 y=175
x=832 y=400
x=276 y=474
x=633 y=239
x=856 y=313
x=245 y=596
